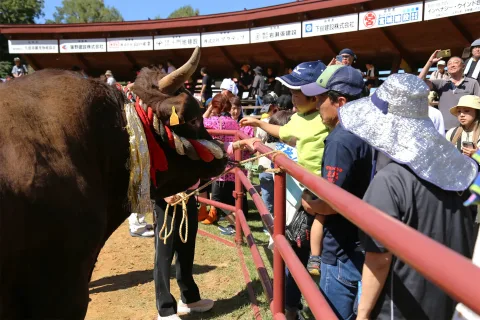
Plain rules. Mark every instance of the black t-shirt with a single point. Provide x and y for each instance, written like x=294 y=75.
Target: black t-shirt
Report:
x=347 y=162
x=436 y=213
x=207 y=80
x=246 y=78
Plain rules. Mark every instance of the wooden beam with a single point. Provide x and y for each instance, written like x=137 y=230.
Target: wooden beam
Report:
x=397 y=60
x=31 y=61
x=460 y=30
x=229 y=57
x=330 y=45
x=86 y=65
x=283 y=59
x=130 y=59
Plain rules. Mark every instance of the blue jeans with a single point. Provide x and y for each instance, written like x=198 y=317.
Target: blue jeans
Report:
x=339 y=285
x=293 y=295
x=266 y=184
x=258 y=102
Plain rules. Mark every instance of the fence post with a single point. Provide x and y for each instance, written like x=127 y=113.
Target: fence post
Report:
x=238 y=199
x=279 y=228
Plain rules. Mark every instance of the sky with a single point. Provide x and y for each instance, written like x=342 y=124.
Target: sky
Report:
x=144 y=9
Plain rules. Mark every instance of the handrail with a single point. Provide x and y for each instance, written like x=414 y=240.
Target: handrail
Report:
x=414 y=248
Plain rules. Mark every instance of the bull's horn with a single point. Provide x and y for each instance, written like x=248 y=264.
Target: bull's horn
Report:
x=172 y=82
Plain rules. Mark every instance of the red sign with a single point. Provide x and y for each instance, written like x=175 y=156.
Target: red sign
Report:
x=369 y=19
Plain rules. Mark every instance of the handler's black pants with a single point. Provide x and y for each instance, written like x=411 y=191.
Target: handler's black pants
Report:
x=184 y=252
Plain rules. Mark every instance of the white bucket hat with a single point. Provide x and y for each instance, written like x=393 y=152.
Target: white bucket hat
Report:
x=394 y=120
x=230 y=85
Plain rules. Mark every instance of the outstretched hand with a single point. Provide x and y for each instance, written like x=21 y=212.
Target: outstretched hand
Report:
x=249 y=121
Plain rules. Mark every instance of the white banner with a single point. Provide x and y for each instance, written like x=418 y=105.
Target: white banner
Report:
x=32 y=46
x=129 y=44
x=391 y=16
x=181 y=41
x=435 y=9
x=276 y=32
x=83 y=45
x=338 y=24
x=225 y=38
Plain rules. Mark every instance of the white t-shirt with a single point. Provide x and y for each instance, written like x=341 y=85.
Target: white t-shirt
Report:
x=436 y=116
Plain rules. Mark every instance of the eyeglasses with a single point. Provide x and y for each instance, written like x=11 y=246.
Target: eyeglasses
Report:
x=346 y=56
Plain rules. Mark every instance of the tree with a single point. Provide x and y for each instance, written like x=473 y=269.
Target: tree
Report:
x=20 y=11
x=185 y=11
x=85 y=11
x=16 y=12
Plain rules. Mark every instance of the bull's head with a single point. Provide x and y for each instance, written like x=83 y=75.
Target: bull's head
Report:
x=165 y=94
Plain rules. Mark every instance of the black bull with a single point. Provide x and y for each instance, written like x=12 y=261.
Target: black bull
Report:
x=63 y=187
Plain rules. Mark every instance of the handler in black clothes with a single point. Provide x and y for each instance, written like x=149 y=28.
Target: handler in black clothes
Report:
x=422 y=186
x=184 y=253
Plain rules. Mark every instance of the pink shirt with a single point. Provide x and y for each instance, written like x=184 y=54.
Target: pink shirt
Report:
x=225 y=123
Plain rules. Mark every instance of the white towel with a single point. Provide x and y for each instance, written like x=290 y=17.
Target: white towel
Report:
x=476 y=72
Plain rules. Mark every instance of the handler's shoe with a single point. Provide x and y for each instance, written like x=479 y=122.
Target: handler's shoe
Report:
x=202 y=213
x=212 y=216
x=203 y=305
x=172 y=317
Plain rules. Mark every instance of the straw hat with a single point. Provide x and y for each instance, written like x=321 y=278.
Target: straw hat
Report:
x=394 y=120
x=469 y=101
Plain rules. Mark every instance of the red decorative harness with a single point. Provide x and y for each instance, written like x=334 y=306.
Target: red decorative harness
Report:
x=158 y=160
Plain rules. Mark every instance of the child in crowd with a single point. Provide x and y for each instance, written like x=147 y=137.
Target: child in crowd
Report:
x=269 y=108
x=279 y=118
x=307 y=131
x=467 y=135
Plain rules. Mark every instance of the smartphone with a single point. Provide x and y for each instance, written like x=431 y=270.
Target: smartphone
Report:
x=444 y=53
x=469 y=145
x=339 y=58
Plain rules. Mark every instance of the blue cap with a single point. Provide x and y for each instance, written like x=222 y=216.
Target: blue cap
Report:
x=208 y=102
x=349 y=51
x=304 y=73
x=342 y=79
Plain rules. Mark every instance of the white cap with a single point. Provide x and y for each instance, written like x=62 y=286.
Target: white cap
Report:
x=228 y=84
x=441 y=63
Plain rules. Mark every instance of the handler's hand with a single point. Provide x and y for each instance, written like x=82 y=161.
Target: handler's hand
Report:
x=171 y=199
x=250 y=143
x=249 y=121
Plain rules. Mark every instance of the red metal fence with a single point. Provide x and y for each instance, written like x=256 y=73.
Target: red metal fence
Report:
x=449 y=270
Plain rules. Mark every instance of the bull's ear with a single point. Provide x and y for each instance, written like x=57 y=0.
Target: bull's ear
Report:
x=173 y=81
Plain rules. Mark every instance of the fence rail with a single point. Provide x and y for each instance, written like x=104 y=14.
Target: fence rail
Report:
x=452 y=272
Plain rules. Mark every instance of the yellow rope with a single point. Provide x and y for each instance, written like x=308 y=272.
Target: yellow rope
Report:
x=196 y=191
x=184 y=200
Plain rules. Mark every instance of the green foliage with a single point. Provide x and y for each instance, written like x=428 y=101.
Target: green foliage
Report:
x=20 y=11
x=5 y=68
x=85 y=11
x=185 y=11
x=16 y=12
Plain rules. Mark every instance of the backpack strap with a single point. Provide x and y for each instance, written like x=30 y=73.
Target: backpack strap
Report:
x=459 y=142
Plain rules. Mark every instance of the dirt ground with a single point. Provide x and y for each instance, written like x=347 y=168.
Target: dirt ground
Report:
x=122 y=284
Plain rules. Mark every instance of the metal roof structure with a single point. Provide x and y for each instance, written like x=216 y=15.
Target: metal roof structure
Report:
x=391 y=47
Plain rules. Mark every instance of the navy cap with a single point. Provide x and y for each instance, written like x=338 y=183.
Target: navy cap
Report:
x=342 y=79
x=350 y=52
x=304 y=73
